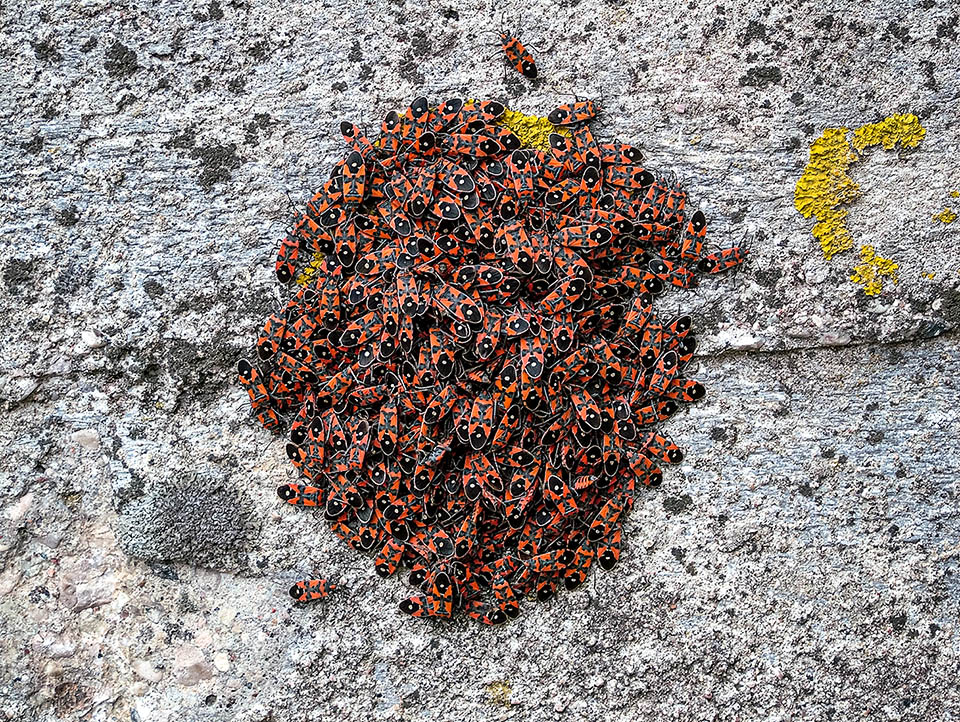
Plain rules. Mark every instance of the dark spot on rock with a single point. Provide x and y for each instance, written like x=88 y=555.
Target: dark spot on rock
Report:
x=873 y=406
x=716 y=27
x=73 y=276
x=678 y=554
x=126 y=100
x=677 y=504
x=164 y=571
x=259 y=51
x=68 y=216
x=46 y=52
x=210 y=700
x=17 y=274
x=202 y=83
x=216 y=162
x=900 y=472
x=718 y=433
x=199 y=370
x=875 y=437
x=184 y=140
x=782 y=411
x=450 y=13
x=768 y=278
x=842 y=459
x=89 y=45
x=175 y=630
x=261 y=123
x=186 y=605
x=366 y=72
x=898 y=621
x=805 y=490
x=762 y=77
x=796 y=98
x=792 y=143
x=410 y=70
x=120 y=61
x=898 y=32
x=68 y=697
x=356 y=52
x=153 y=288
x=420 y=43
x=948 y=28
x=39 y=594
x=339 y=86
x=590 y=27
x=858 y=28
x=214 y=11
x=34 y=145
x=828 y=453
x=927 y=66
x=755 y=31
x=236 y=85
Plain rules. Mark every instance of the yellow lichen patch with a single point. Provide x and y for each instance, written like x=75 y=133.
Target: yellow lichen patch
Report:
x=929 y=275
x=310 y=271
x=825 y=186
x=945 y=216
x=955 y=194
x=532 y=130
x=903 y=129
x=871 y=271
x=499 y=693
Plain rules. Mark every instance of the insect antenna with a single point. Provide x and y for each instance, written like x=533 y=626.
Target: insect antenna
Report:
x=293 y=206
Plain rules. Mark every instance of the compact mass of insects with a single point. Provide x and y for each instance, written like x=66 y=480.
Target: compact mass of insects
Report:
x=470 y=366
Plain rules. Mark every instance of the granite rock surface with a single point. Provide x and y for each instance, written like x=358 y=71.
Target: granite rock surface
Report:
x=802 y=562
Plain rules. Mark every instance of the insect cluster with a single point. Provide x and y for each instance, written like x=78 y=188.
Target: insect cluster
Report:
x=476 y=375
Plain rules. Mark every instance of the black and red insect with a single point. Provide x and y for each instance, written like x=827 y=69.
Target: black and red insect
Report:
x=475 y=377
x=517 y=55
x=311 y=590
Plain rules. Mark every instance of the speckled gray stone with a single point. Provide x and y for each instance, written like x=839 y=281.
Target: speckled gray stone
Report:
x=802 y=562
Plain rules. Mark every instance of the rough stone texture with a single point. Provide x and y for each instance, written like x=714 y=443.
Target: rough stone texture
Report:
x=802 y=563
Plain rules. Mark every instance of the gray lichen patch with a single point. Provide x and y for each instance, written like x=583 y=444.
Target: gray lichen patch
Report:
x=200 y=518
x=120 y=61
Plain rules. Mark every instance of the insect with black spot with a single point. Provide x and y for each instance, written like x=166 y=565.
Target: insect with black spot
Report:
x=517 y=55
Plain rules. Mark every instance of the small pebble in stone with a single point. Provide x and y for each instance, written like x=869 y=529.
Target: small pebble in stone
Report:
x=145 y=670
x=221 y=661
x=91 y=339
